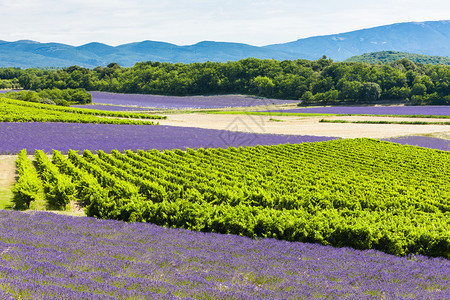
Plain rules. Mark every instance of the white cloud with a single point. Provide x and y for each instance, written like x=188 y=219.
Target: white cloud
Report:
x=257 y=22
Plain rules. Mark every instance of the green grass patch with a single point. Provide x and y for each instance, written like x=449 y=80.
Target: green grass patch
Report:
x=287 y=114
x=6 y=197
x=265 y=113
x=401 y=116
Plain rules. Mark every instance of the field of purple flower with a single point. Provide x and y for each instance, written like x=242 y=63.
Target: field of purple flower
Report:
x=46 y=256
x=422 y=141
x=174 y=102
x=374 y=110
x=6 y=91
x=64 y=136
x=49 y=256
x=111 y=107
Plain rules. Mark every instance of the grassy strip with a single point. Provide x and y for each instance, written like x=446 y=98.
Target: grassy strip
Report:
x=287 y=114
x=386 y=122
x=5 y=198
x=401 y=116
x=266 y=113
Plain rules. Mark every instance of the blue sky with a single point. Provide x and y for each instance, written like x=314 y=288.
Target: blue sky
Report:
x=258 y=22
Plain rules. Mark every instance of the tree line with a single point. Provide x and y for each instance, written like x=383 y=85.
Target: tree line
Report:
x=320 y=81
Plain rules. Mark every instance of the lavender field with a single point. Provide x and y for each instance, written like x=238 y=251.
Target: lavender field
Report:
x=6 y=91
x=375 y=110
x=65 y=136
x=422 y=141
x=174 y=102
x=111 y=107
x=50 y=256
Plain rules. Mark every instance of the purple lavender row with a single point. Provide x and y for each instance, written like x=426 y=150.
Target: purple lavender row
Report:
x=6 y=91
x=112 y=107
x=438 y=110
x=422 y=141
x=175 y=102
x=44 y=255
x=65 y=136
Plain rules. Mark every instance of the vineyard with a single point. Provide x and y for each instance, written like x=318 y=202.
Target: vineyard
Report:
x=21 y=111
x=361 y=193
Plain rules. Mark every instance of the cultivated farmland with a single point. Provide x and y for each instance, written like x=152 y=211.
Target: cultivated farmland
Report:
x=47 y=255
x=435 y=110
x=278 y=206
x=423 y=141
x=189 y=102
x=65 y=136
x=21 y=111
x=360 y=193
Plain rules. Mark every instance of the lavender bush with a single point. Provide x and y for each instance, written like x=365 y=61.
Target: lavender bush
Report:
x=64 y=136
x=422 y=141
x=375 y=110
x=7 y=91
x=49 y=256
x=174 y=102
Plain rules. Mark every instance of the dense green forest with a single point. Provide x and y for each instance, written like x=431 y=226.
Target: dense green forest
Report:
x=391 y=56
x=322 y=81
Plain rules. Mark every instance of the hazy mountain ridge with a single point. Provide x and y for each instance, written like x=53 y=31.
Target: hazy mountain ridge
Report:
x=430 y=38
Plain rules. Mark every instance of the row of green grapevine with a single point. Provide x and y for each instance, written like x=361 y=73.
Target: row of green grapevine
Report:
x=360 y=193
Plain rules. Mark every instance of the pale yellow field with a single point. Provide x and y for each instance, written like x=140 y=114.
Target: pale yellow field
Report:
x=295 y=125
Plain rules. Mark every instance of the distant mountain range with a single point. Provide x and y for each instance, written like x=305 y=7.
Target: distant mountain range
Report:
x=429 y=38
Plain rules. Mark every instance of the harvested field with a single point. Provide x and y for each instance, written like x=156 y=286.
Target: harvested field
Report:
x=304 y=125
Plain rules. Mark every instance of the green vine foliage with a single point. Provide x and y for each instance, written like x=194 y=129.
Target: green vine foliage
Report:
x=359 y=193
x=28 y=187
x=22 y=111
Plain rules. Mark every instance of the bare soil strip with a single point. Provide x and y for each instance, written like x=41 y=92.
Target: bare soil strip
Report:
x=7 y=170
x=7 y=179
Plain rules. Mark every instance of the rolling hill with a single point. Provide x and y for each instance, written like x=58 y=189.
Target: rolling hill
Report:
x=391 y=56
x=429 y=38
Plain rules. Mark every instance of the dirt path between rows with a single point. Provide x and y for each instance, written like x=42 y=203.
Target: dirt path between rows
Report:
x=7 y=178
x=295 y=125
x=7 y=170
